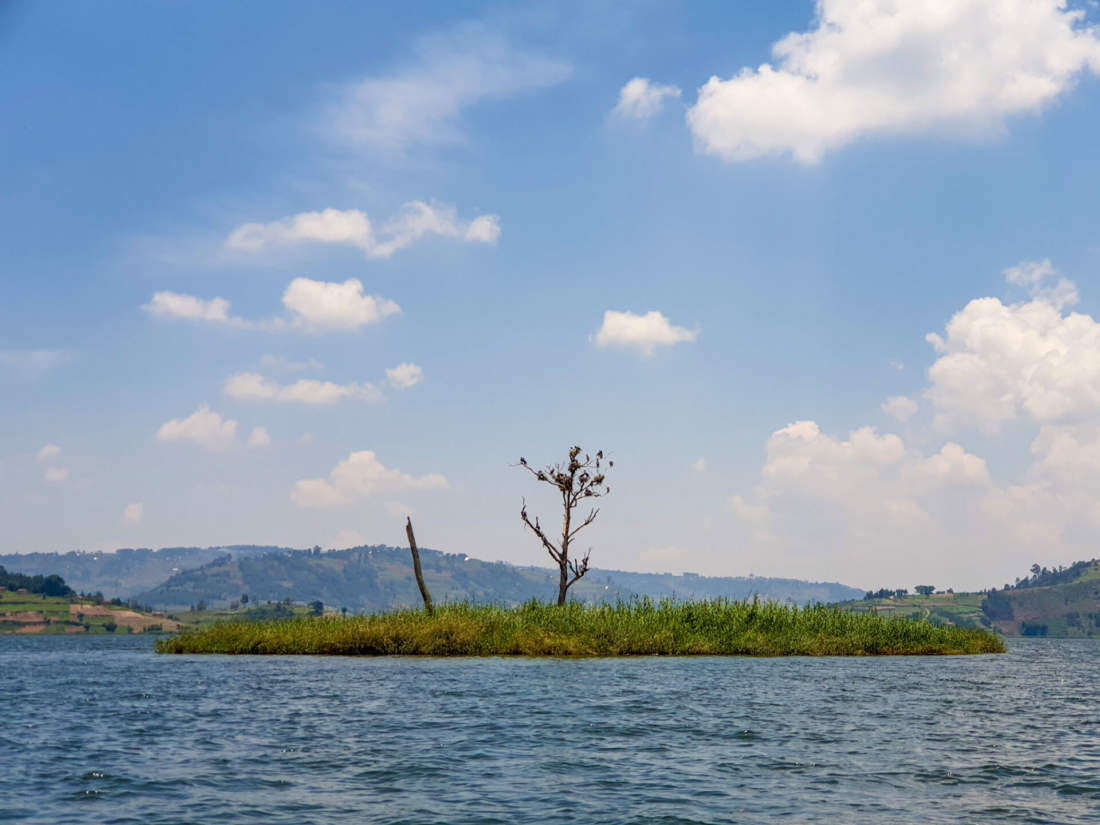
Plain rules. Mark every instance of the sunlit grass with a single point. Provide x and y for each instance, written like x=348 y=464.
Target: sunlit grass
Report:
x=635 y=628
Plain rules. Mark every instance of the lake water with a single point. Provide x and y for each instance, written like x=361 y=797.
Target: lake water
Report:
x=100 y=729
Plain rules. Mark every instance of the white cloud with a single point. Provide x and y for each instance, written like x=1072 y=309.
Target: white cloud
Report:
x=251 y=386
x=48 y=451
x=998 y=362
x=404 y=376
x=422 y=102
x=259 y=437
x=56 y=475
x=869 y=510
x=888 y=67
x=133 y=513
x=641 y=99
x=641 y=332
x=203 y=427
x=189 y=308
x=351 y=227
x=360 y=475
x=323 y=306
x=313 y=306
x=699 y=465
x=1033 y=276
x=900 y=407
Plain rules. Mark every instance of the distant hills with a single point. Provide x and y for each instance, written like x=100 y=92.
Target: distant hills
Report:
x=372 y=578
x=125 y=572
x=1063 y=603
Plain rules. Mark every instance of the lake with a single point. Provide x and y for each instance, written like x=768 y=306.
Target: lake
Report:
x=101 y=729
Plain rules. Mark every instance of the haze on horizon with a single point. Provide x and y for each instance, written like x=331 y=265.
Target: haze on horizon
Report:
x=821 y=278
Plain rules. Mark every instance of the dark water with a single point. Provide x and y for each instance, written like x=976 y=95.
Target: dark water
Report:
x=103 y=730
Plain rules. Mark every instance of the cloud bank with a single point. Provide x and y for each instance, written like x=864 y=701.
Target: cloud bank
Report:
x=872 y=67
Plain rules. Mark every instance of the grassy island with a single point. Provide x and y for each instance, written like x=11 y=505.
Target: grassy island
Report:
x=635 y=628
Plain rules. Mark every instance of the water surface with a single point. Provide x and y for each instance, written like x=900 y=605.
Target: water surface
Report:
x=100 y=729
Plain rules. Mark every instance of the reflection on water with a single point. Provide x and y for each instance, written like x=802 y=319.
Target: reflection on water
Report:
x=101 y=729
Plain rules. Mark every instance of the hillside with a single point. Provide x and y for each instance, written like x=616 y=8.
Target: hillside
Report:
x=30 y=613
x=1062 y=603
x=379 y=578
x=123 y=573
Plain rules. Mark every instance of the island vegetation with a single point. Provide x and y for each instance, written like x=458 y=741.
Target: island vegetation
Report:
x=636 y=628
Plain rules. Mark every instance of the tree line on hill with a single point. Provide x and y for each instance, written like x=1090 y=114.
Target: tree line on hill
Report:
x=51 y=585
x=901 y=592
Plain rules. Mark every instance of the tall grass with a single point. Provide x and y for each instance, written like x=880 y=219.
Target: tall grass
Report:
x=634 y=628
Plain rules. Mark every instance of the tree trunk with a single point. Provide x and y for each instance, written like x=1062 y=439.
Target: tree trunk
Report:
x=563 y=585
x=424 y=594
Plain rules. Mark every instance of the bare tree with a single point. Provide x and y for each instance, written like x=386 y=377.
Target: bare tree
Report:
x=576 y=480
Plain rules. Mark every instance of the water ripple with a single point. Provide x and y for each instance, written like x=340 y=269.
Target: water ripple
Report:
x=101 y=728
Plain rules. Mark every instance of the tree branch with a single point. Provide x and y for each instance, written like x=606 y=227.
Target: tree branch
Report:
x=536 y=528
x=591 y=517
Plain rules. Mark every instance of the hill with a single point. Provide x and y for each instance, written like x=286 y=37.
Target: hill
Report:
x=30 y=613
x=1062 y=603
x=123 y=573
x=375 y=578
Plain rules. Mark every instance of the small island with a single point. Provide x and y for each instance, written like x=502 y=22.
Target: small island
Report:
x=636 y=628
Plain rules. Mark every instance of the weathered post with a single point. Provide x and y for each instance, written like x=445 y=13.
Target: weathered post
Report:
x=416 y=566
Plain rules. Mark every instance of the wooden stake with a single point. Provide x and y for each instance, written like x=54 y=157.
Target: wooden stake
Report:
x=416 y=566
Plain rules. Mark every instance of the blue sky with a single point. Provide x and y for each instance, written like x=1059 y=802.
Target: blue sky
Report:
x=283 y=273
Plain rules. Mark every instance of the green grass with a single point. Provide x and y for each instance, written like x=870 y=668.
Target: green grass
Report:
x=636 y=628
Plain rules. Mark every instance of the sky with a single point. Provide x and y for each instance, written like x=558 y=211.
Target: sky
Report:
x=822 y=279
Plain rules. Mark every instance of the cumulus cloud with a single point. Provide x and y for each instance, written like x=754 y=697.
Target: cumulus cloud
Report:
x=643 y=333
x=335 y=307
x=1042 y=282
x=422 y=102
x=259 y=437
x=48 y=451
x=359 y=476
x=203 y=427
x=900 y=407
x=641 y=99
x=133 y=513
x=55 y=475
x=189 y=308
x=404 y=376
x=999 y=362
x=312 y=306
x=885 y=67
x=251 y=386
x=871 y=510
x=874 y=510
x=351 y=227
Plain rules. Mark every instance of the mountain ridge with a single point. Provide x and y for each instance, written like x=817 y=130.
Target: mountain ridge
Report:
x=376 y=577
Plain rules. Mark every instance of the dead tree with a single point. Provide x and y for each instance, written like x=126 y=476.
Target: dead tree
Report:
x=424 y=594
x=576 y=480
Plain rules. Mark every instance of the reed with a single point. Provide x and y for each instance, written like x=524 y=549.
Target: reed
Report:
x=636 y=628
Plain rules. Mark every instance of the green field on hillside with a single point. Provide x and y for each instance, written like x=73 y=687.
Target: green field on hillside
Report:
x=60 y=615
